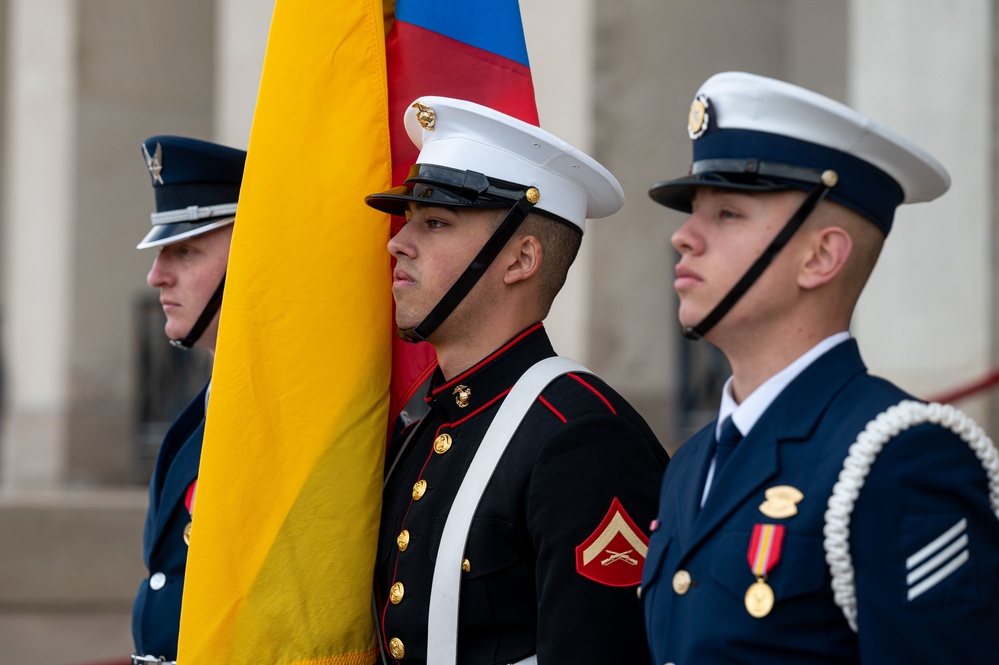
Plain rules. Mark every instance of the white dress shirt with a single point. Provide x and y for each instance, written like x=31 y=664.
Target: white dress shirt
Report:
x=746 y=413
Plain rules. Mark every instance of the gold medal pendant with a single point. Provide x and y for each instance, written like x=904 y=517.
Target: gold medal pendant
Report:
x=763 y=555
x=759 y=599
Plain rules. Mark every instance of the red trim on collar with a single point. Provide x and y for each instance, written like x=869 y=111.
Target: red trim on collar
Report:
x=480 y=409
x=488 y=359
x=595 y=392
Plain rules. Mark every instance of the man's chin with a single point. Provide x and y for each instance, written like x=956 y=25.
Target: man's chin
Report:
x=174 y=332
x=688 y=321
x=407 y=321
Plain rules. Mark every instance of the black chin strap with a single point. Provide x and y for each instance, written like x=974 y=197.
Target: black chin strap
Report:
x=206 y=318
x=761 y=263
x=473 y=272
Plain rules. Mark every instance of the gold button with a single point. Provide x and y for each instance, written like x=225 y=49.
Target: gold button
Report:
x=681 y=582
x=419 y=489
x=396 y=593
x=187 y=533
x=402 y=540
x=397 y=648
x=466 y=565
x=638 y=591
x=442 y=444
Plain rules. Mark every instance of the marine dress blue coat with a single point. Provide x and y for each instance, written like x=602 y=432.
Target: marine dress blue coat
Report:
x=925 y=484
x=582 y=463
x=156 y=611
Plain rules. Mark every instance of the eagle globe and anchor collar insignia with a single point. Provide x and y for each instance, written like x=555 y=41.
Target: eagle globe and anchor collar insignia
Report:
x=462 y=395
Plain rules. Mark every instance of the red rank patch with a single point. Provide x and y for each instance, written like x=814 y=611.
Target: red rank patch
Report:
x=614 y=554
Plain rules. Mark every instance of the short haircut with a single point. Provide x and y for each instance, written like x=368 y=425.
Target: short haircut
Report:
x=560 y=244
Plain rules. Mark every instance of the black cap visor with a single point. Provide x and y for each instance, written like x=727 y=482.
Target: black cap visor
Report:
x=679 y=194
x=429 y=184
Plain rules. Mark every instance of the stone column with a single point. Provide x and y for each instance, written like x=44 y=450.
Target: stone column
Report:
x=926 y=69
x=39 y=198
x=562 y=67
x=240 y=43
x=88 y=81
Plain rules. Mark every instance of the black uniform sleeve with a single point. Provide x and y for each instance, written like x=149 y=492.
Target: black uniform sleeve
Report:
x=584 y=466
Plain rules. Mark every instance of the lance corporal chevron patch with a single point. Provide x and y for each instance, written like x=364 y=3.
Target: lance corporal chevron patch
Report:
x=614 y=554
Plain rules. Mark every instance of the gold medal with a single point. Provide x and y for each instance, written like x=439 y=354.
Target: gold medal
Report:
x=763 y=555
x=759 y=599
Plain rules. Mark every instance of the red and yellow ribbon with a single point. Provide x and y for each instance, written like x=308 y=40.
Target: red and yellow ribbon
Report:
x=764 y=548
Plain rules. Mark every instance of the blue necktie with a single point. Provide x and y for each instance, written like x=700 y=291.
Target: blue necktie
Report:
x=727 y=440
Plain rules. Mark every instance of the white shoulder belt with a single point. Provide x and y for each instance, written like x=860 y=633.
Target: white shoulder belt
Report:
x=857 y=465
x=442 y=638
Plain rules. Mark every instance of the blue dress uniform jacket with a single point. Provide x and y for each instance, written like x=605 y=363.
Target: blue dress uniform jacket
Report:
x=924 y=481
x=156 y=611
x=579 y=447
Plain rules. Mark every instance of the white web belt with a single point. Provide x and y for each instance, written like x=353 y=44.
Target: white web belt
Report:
x=442 y=637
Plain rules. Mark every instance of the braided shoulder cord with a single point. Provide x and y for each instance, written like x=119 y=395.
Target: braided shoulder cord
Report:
x=857 y=465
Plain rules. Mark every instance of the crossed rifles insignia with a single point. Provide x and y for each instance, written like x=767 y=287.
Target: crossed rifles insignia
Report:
x=619 y=556
x=612 y=555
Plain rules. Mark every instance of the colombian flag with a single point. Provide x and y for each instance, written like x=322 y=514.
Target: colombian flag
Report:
x=469 y=49
x=307 y=374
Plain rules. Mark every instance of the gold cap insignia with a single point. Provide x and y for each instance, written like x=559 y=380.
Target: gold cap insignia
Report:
x=782 y=501
x=425 y=115
x=154 y=162
x=464 y=393
x=697 y=119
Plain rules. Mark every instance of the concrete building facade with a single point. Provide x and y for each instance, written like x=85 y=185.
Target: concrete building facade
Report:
x=83 y=82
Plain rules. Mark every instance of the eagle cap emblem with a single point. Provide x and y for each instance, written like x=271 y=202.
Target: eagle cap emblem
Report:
x=425 y=116
x=154 y=162
x=698 y=117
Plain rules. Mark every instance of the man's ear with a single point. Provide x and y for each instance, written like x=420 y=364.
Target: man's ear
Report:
x=829 y=251
x=523 y=259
